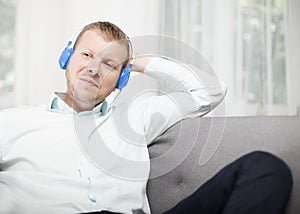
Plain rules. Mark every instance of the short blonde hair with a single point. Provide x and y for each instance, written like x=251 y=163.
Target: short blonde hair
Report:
x=109 y=32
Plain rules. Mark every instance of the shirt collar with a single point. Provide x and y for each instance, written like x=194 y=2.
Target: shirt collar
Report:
x=57 y=103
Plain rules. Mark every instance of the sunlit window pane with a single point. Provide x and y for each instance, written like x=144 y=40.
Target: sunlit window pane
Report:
x=278 y=50
x=263 y=49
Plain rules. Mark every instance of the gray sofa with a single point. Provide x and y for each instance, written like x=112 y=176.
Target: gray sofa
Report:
x=192 y=151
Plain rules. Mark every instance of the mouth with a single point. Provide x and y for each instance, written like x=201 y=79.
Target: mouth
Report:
x=89 y=82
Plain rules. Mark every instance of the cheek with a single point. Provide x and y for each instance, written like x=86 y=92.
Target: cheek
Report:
x=110 y=81
x=75 y=64
x=72 y=71
x=70 y=77
x=114 y=79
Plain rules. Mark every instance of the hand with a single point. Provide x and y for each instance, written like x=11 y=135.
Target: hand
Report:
x=140 y=63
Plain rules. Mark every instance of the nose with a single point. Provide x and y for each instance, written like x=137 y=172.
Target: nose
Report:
x=93 y=67
x=93 y=70
x=98 y=68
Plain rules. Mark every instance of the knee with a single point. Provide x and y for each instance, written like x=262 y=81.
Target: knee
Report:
x=273 y=166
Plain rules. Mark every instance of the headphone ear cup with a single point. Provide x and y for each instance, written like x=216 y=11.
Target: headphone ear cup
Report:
x=123 y=78
x=65 y=57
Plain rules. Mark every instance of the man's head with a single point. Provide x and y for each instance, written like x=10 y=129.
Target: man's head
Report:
x=101 y=50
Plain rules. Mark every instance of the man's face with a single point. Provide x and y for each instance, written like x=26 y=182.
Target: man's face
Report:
x=93 y=69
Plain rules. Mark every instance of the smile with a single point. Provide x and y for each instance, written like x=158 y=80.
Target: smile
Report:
x=89 y=82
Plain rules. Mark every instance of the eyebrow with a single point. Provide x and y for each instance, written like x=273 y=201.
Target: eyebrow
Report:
x=113 y=61
x=85 y=49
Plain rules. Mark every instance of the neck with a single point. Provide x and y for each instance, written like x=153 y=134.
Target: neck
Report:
x=78 y=105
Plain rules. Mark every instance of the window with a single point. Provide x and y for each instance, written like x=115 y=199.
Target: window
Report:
x=245 y=40
x=7 y=26
x=183 y=20
x=261 y=38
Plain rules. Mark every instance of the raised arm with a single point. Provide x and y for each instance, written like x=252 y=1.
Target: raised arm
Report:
x=184 y=94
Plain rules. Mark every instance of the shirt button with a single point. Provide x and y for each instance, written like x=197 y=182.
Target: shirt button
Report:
x=93 y=198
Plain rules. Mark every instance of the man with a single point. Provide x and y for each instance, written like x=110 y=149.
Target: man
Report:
x=56 y=160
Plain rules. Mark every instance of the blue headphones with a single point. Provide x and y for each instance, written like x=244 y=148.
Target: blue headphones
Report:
x=66 y=55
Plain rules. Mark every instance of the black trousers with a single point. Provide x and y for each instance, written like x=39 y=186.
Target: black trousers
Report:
x=256 y=183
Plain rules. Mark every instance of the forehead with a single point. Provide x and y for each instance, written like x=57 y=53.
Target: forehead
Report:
x=93 y=41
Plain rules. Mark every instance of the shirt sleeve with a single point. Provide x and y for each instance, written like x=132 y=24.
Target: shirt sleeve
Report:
x=183 y=94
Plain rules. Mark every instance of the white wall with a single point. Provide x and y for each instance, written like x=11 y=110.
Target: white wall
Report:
x=44 y=26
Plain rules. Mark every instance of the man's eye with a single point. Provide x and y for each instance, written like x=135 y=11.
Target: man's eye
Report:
x=85 y=54
x=109 y=65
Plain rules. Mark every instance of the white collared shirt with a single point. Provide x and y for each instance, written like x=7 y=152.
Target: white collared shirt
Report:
x=49 y=162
